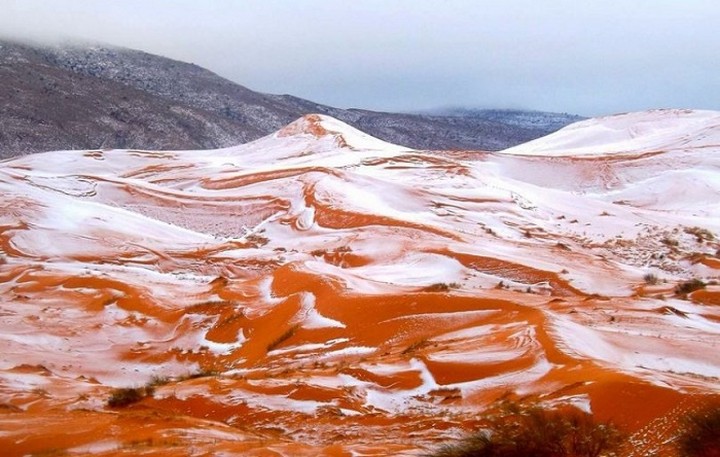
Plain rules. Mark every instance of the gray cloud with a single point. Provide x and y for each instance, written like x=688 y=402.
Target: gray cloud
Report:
x=584 y=56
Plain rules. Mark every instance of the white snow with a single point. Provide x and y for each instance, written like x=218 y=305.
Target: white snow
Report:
x=309 y=316
x=588 y=205
x=632 y=133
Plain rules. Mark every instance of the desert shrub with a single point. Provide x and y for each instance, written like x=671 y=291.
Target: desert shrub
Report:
x=686 y=287
x=536 y=432
x=651 y=279
x=201 y=373
x=128 y=395
x=157 y=381
x=441 y=287
x=257 y=240
x=700 y=234
x=701 y=435
x=669 y=242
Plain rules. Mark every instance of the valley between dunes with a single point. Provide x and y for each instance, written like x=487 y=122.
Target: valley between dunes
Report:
x=319 y=292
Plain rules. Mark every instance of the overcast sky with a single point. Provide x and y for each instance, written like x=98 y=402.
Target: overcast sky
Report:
x=582 y=56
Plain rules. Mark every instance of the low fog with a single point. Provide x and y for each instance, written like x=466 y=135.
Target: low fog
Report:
x=584 y=57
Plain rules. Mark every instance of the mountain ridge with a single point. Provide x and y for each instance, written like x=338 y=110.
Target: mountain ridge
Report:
x=90 y=97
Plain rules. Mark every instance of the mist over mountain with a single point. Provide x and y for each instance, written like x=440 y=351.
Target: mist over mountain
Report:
x=89 y=96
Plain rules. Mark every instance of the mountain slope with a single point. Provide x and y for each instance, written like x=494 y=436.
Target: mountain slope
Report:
x=44 y=107
x=322 y=292
x=519 y=118
x=75 y=97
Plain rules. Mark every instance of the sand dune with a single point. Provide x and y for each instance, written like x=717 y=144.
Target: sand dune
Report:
x=322 y=292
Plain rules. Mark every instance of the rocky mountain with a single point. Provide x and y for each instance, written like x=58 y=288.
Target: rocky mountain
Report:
x=102 y=97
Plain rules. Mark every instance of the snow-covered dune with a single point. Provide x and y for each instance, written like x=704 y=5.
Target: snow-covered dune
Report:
x=320 y=279
x=632 y=133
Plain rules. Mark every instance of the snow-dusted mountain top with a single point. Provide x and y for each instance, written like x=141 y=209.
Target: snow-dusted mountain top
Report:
x=85 y=97
x=638 y=132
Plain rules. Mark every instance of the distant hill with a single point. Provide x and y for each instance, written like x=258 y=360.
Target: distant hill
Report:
x=87 y=97
x=519 y=118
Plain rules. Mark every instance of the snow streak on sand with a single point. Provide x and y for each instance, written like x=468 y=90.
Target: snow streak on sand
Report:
x=321 y=292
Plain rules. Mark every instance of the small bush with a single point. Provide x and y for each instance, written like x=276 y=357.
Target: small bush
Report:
x=128 y=395
x=441 y=287
x=700 y=234
x=669 y=242
x=536 y=432
x=686 y=287
x=257 y=240
x=701 y=435
x=651 y=279
x=158 y=381
x=201 y=373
